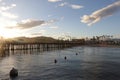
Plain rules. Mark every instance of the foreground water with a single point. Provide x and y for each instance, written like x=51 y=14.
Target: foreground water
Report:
x=91 y=63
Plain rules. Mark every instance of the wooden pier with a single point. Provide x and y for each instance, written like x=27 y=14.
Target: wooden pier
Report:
x=11 y=47
x=44 y=46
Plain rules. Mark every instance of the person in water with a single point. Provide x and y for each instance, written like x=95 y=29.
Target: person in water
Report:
x=76 y=53
x=55 y=61
x=13 y=73
x=65 y=57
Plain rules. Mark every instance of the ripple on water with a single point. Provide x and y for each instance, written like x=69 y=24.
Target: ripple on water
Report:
x=93 y=63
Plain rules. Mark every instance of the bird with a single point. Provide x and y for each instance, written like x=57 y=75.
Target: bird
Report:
x=13 y=73
x=55 y=61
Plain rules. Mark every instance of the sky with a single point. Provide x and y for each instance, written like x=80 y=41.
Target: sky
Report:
x=56 y=18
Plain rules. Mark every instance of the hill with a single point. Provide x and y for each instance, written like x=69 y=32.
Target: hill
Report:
x=41 y=39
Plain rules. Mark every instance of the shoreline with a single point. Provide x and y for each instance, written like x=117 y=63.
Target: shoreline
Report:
x=101 y=45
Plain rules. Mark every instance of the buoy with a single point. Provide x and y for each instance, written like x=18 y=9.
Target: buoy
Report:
x=76 y=53
x=13 y=73
x=65 y=57
x=55 y=61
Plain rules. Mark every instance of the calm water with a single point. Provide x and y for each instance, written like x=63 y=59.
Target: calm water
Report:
x=91 y=63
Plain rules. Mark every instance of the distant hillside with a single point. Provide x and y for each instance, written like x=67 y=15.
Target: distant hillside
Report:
x=41 y=39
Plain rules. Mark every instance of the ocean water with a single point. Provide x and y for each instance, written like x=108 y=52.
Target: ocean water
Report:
x=90 y=63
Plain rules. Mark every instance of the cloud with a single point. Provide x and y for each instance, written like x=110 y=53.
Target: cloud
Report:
x=30 y=23
x=76 y=6
x=73 y=6
x=1 y=0
x=4 y=11
x=52 y=21
x=54 y=0
x=5 y=21
x=8 y=15
x=63 y=4
x=54 y=27
x=101 y=13
x=4 y=8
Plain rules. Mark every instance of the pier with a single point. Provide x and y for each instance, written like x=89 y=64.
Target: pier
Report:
x=36 y=45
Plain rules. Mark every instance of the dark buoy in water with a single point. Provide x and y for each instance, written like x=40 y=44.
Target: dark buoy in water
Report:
x=76 y=53
x=13 y=73
x=55 y=61
x=65 y=57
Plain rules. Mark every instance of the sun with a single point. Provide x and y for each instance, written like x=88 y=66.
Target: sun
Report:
x=8 y=29
x=8 y=33
x=5 y=33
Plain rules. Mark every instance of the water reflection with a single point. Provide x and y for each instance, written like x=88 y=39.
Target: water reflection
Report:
x=91 y=63
x=5 y=53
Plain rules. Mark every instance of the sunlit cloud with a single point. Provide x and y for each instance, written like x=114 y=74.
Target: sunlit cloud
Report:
x=76 y=6
x=52 y=21
x=1 y=0
x=4 y=8
x=73 y=6
x=54 y=0
x=63 y=4
x=7 y=18
x=7 y=32
x=101 y=13
x=4 y=11
x=30 y=23
x=5 y=21
x=9 y=15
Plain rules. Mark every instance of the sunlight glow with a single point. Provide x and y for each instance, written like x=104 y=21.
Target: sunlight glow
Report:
x=8 y=33
x=4 y=31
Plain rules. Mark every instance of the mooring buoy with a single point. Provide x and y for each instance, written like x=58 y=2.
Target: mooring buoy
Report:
x=65 y=57
x=55 y=61
x=13 y=73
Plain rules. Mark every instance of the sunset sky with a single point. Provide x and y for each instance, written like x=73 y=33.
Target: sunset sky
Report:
x=54 y=18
